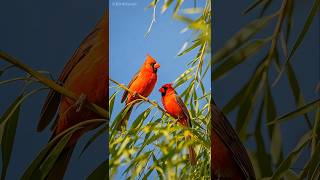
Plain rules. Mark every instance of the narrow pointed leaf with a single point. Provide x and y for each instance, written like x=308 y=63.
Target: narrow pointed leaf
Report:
x=252 y=6
x=293 y=156
x=302 y=110
x=239 y=57
x=313 y=12
x=7 y=132
x=101 y=172
x=240 y=38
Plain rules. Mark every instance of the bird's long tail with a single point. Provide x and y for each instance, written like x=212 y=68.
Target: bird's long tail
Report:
x=192 y=153
x=59 y=168
x=122 y=125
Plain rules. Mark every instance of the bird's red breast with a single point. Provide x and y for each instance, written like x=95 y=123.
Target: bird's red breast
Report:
x=174 y=105
x=144 y=81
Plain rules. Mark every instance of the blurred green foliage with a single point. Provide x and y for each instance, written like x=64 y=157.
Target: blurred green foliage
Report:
x=256 y=95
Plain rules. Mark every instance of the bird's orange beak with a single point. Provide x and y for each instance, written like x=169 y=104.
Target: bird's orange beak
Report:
x=156 y=66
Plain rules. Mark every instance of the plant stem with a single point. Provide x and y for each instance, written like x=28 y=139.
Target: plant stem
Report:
x=47 y=82
x=141 y=97
x=277 y=32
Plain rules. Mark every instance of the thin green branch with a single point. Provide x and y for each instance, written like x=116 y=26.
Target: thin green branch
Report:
x=153 y=19
x=277 y=31
x=95 y=108
x=15 y=80
x=76 y=126
x=200 y=61
x=153 y=103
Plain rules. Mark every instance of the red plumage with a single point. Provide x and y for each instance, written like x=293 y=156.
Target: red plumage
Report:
x=142 y=83
x=174 y=106
x=86 y=73
x=229 y=158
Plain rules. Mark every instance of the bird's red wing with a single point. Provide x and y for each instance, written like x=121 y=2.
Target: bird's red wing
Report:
x=229 y=137
x=125 y=93
x=53 y=99
x=184 y=109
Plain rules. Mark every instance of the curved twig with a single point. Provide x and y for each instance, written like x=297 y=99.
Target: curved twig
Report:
x=153 y=103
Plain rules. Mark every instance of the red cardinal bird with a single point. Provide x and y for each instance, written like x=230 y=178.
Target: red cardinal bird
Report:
x=142 y=83
x=229 y=159
x=85 y=74
x=174 y=106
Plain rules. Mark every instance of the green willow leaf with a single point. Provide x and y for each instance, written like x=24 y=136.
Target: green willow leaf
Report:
x=177 y=7
x=315 y=130
x=246 y=106
x=294 y=84
x=8 y=131
x=252 y=6
x=99 y=133
x=166 y=5
x=33 y=168
x=290 y=174
x=186 y=93
x=194 y=46
x=265 y=7
x=146 y=142
x=290 y=160
x=184 y=77
x=111 y=103
x=316 y=174
x=152 y=4
x=134 y=162
x=101 y=172
x=17 y=104
x=274 y=130
x=192 y=10
x=7 y=137
x=240 y=38
x=312 y=164
x=263 y=158
x=313 y=12
x=295 y=88
x=239 y=57
x=142 y=116
x=48 y=164
x=5 y=68
x=205 y=72
x=289 y=12
x=118 y=118
x=302 y=110
x=160 y=173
